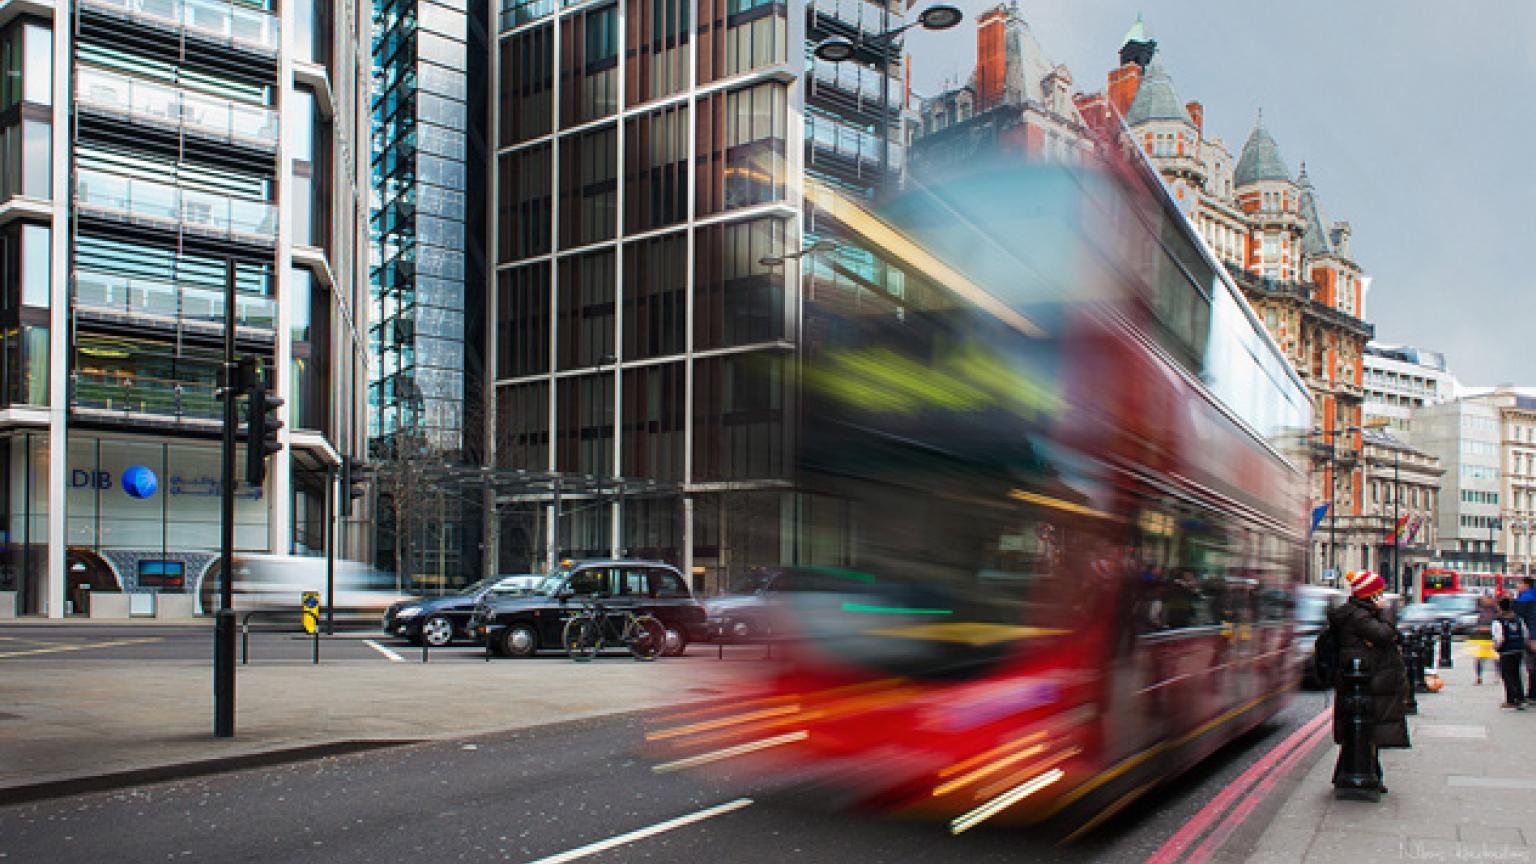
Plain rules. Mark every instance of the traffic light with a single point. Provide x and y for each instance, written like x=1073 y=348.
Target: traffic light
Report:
x=261 y=441
x=352 y=482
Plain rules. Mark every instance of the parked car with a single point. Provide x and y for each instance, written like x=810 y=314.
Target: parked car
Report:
x=521 y=626
x=1459 y=609
x=439 y=620
x=755 y=608
x=1313 y=603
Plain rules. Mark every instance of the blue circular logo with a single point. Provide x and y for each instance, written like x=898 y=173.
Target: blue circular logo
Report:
x=139 y=482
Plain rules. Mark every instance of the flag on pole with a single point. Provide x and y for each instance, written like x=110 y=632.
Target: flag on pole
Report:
x=1395 y=536
x=1318 y=513
x=1413 y=529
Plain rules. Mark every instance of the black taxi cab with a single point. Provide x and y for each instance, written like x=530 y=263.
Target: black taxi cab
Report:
x=524 y=625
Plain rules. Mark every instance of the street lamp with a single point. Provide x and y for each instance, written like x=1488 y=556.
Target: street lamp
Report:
x=776 y=260
x=838 y=49
x=1333 y=482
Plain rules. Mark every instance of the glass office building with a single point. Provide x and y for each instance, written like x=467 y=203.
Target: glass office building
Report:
x=153 y=151
x=649 y=155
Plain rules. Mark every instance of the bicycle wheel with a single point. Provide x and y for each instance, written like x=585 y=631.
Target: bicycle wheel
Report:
x=645 y=636
x=581 y=639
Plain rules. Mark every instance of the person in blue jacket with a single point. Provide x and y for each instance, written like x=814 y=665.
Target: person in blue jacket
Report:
x=1525 y=610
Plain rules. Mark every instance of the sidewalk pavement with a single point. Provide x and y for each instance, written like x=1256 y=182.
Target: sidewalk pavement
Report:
x=1466 y=791
x=67 y=723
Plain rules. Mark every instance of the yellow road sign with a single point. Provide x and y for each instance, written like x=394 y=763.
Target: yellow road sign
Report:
x=311 y=605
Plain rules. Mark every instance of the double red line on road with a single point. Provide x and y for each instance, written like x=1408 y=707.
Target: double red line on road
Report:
x=1217 y=820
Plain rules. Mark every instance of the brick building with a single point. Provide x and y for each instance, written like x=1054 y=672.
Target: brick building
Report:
x=1294 y=266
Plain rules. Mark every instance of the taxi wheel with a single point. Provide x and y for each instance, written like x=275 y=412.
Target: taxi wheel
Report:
x=519 y=640
x=677 y=642
x=437 y=631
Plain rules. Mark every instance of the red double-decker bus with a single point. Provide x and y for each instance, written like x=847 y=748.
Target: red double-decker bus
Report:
x=1438 y=580
x=1060 y=531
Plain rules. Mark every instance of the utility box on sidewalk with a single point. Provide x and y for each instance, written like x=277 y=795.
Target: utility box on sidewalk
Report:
x=7 y=604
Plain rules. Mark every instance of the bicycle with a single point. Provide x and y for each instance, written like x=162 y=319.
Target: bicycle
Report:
x=586 y=631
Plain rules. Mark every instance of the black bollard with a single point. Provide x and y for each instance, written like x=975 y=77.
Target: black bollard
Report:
x=1445 y=645
x=1410 y=699
x=1356 y=775
x=1426 y=658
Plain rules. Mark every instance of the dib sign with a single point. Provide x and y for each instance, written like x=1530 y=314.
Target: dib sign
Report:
x=311 y=605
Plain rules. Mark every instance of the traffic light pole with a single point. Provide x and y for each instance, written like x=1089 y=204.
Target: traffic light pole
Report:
x=224 y=623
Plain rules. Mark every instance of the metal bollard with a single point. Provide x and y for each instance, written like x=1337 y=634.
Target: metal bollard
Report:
x=1426 y=657
x=1445 y=646
x=1357 y=777
x=317 y=644
x=245 y=642
x=424 y=647
x=1410 y=656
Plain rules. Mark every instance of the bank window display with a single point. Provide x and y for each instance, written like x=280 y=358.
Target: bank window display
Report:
x=656 y=169
x=586 y=310
x=523 y=321
x=588 y=187
x=584 y=424
x=738 y=417
x=655 y=296
x=741 y=148
x=136 y=501
x=524 y=203
x=738 y=36
x=656 y=56
x=527 y=78
x=738 y=300
x=589 y=59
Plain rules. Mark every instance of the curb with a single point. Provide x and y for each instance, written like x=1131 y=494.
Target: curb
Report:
x=27 y=793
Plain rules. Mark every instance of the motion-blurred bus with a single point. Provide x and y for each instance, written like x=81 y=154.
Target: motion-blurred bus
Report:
x=1069 y=530
x=278 y=582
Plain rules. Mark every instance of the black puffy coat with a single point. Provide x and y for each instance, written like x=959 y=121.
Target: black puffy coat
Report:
x=1367 y=632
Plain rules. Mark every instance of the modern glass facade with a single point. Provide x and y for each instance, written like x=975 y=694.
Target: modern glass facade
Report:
x=648 y=157
x=183 y=149
x=428 y=186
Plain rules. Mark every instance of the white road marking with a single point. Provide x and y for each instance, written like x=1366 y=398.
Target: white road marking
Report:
x=61 y=648
x=641 y=834
x=393 y=657
x=731 y=752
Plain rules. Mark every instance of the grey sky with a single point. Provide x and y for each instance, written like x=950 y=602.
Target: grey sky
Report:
x=1415 y=120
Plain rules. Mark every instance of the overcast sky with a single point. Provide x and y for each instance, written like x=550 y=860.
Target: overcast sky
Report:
x=1415 y=120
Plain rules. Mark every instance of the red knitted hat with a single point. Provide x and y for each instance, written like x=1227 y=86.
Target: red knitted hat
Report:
x=1365 y=584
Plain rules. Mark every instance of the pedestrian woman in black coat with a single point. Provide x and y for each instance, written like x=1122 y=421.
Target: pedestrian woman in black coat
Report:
x=1364 y=628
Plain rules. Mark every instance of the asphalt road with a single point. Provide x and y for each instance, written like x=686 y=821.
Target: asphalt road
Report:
x=538 y=793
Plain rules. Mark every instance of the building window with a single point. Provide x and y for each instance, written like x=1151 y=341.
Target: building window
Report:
x=654 y=398
x=523 y=321
x=657 y=53
x=656 y=169
x=741 y=148
x=589 y=56
x=588 y=187
x=524 y=209
x=586 y=310
x=737 y=299
x=737 y=36
x=655 y=300
x=527 y=76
